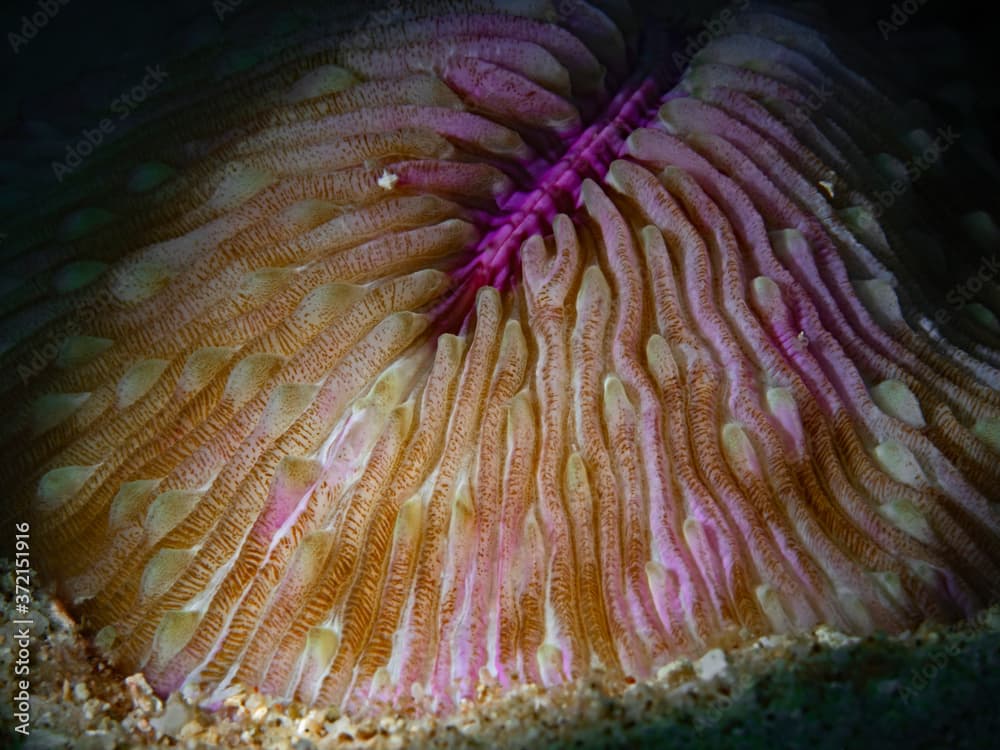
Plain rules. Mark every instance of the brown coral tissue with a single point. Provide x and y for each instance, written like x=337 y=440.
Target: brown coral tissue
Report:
x=487 y=343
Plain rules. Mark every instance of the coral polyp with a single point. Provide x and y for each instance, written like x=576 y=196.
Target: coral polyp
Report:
x=487 y=346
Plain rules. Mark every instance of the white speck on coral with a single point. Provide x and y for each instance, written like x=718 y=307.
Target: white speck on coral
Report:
x=388 y=180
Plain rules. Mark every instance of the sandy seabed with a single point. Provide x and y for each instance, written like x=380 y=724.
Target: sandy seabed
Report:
x=78 y=701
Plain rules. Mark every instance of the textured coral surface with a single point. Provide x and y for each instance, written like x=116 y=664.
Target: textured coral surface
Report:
x=479 y=347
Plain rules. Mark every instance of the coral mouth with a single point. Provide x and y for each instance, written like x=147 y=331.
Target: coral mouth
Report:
x=554 y=186
x=436 y=367
x=558 y=189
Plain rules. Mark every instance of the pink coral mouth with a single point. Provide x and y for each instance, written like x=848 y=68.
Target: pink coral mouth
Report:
x=496 y=259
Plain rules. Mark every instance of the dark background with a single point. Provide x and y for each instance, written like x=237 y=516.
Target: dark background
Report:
x=89 y=51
